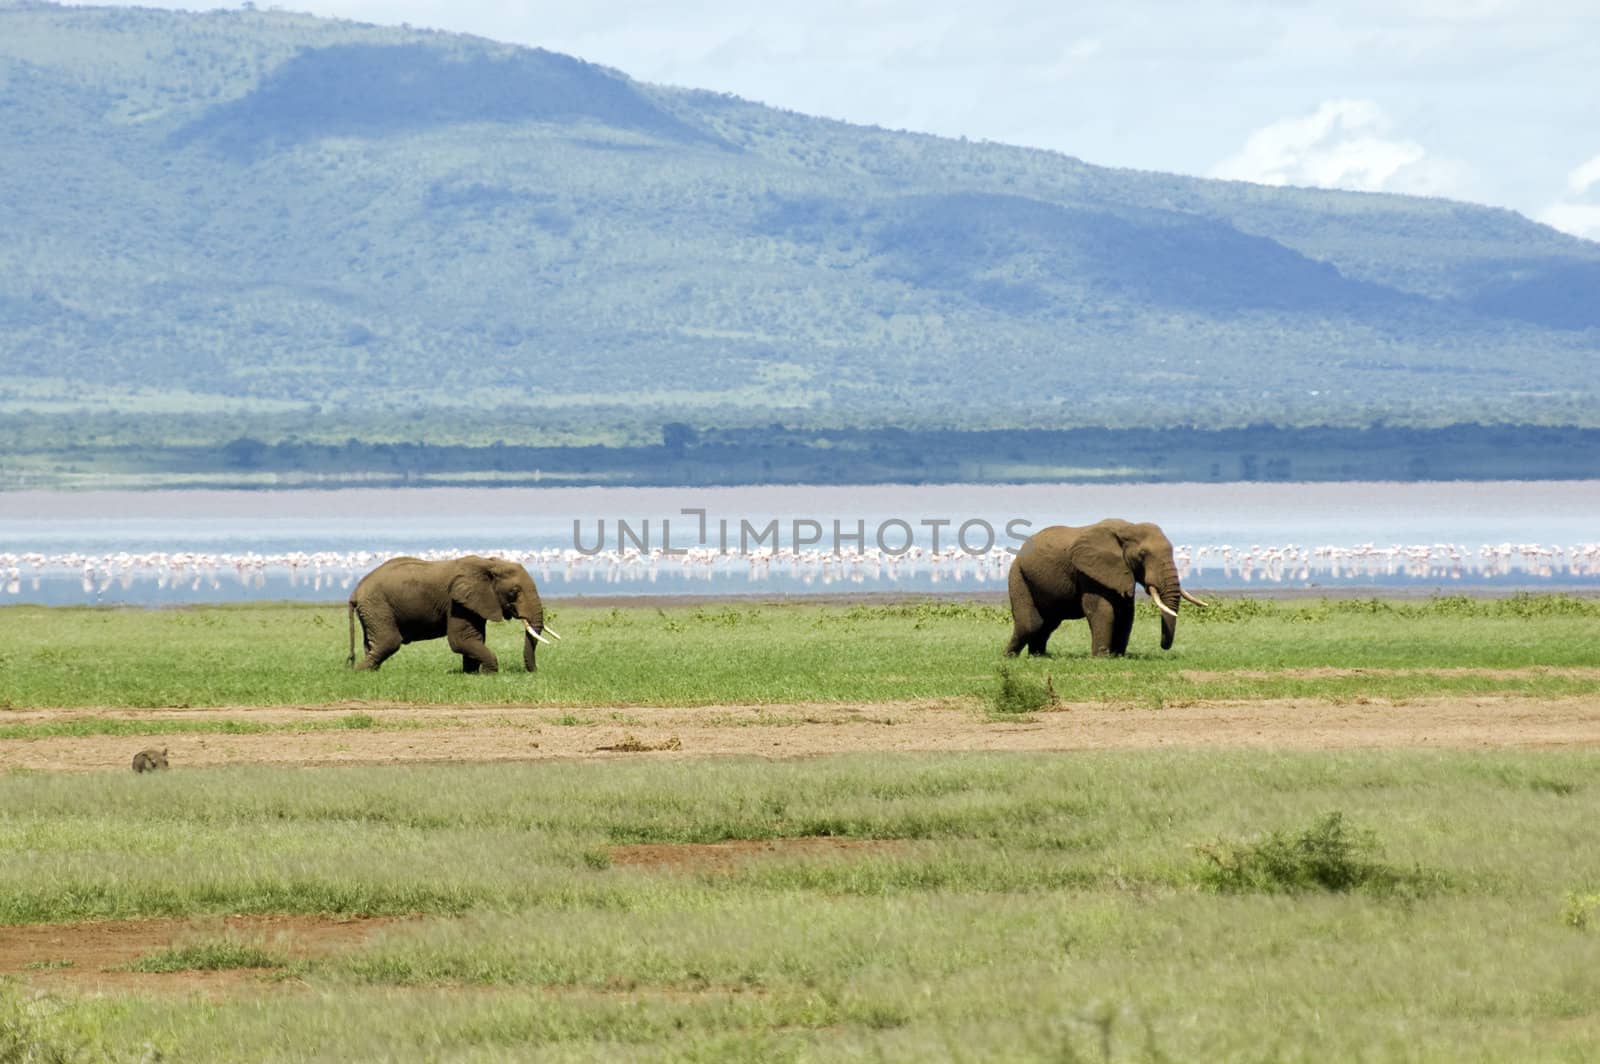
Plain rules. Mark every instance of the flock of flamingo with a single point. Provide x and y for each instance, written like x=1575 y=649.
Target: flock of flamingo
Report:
x=327 y=570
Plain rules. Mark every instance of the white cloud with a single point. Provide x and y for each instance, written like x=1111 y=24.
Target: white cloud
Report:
x=1579 y=219
x=1344 y=144
x=1578 y=212
x=1579 y=181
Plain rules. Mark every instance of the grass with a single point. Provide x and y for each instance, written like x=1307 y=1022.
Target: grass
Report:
x=217 y=955
x=1242 y=648
x=77 y=727
x=1097 y=905
x=1037 y=906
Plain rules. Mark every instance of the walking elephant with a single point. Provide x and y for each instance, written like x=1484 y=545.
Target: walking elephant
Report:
x=1063 y=573
x=407 y=599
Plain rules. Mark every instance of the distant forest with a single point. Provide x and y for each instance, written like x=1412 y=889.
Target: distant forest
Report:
x=776 y=455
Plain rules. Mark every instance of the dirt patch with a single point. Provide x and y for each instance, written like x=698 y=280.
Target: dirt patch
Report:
x=90 y=955
x=502 y=733
x=725 y=856
x=632 y=744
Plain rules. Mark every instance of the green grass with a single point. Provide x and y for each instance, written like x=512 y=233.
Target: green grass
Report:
x=217 y=955
x=93 y=725
x=294 y=654
x=1161 y=905
x=1019 y=907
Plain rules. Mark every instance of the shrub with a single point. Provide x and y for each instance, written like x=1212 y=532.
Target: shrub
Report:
x=1019 y=694
x=1326 y=856
x=1582 y=911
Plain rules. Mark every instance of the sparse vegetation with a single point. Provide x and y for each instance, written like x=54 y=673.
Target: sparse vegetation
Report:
x=215 y=955
x=1019 y=694
x=1328 y=855
x=1014 y=902
x=1041 y=906
x=632 y=744
x=1582 y=910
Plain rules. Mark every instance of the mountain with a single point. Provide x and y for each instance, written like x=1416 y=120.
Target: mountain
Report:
x=381 y=231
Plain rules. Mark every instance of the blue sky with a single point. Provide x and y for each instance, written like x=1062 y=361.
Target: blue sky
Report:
x=1494 y=101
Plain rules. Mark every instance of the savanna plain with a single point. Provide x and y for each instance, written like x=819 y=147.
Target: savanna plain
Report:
x=1315 y=830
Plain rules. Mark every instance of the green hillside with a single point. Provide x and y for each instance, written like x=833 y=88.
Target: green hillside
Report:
x=363 y=232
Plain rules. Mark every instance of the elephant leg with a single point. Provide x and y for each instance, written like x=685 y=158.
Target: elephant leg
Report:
x=1037 y=641
x=1102 y=615
x=379 y=638
x=1026 y=626
x=1122 y=626
x=466 y=637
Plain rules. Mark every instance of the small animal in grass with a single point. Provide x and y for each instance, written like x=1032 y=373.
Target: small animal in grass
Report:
x=150 y=760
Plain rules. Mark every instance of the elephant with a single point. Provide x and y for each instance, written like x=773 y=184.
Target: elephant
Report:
x=407 y=599
x=1062 y=573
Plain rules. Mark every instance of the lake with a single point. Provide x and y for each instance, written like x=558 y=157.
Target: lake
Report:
x=169 y=547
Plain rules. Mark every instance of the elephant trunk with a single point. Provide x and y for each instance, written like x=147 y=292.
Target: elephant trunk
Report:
x=1169 y=624
x=1168 y=596
x=532 y=634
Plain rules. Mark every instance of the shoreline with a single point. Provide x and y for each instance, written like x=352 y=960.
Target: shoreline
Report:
x=838 y=599
x=998 y=597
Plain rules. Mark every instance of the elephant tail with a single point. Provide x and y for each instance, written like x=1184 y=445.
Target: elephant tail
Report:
x=350 y=662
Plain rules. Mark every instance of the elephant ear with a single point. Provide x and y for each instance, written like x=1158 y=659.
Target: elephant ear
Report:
x=1100 y=559
x=472 y=588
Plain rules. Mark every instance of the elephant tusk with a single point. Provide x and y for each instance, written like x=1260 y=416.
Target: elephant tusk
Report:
x=1168 y=610
x=553 y=634
x=1190 y=598
x=540 y=638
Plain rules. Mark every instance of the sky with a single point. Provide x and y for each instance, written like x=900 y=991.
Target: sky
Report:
x=1492 y=101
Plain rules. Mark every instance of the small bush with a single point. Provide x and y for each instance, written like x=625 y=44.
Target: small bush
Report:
x=1019 y=694
x=1582 y=911
x=1326 y=856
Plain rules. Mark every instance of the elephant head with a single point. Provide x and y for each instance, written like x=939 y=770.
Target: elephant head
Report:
x=496 y=589
x=1120 y=554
